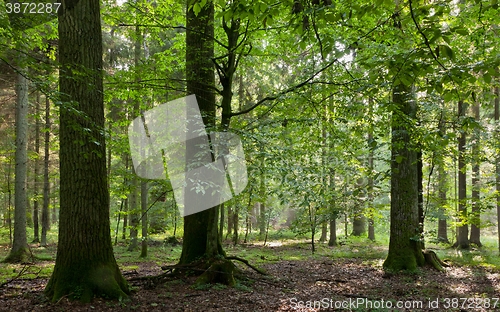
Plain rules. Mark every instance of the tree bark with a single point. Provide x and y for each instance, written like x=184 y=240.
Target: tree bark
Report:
x=463 y=228
x=405 y=252
x=200 y=229
x=497 y=160
x=371 y=223
x=144 y=219
x=134 y=202
x=442 y=223
x=46 y=181
x=36 y=179
x=324 y=231
x=333 y=231
x=475 y=231
x=19 y=250
x=85 y=265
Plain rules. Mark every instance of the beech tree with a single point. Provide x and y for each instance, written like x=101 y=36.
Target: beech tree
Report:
x=85 y=265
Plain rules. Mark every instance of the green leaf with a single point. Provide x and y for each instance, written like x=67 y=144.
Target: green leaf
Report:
x=446 y=50
x=487 y=77
x=399 y=159
x=196 y=8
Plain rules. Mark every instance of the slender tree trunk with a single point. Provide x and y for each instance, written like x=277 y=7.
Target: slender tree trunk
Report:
x=359 y=219
x=46 y=181
x=36 y=228
x=333 y=232
x=420 y=181
x=144 y=218
x=85 y=265
x=371 y=223
x=497 y=160
x=405 y=252
x=222 y=221
x=134 y=202
x=230 y=219
x=324 y=231
x=442 y=223
x=463 y=228
x=19 y=251
x=475 y=232
x=236 y=223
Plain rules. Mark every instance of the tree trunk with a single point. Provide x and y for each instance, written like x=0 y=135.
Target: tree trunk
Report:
x=463 y=228
x=85 y=265
x=144 y=219
x=19 y=251
x=371 y=223
x=134 y=202
x=475 y=232
x=46 y=181
x=199 y=228
x=324 y=230
x=358 y=224
x=420 y=181
x=36 y=228
x=405 y=252
x=236 y=223
x=333 y=231
x=442 y=223
x=497 y=160
x=230 y=219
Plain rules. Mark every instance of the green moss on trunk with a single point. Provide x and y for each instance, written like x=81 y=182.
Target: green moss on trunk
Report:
x=88 y=281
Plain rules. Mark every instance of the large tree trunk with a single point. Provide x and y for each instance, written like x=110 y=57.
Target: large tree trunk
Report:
x=19 y=251
x=475 y=232
x=405 y=252
x=199 y=228
x=85 y=265
x=463 y=228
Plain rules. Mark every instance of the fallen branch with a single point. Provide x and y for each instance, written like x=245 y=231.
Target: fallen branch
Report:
x=23 y=270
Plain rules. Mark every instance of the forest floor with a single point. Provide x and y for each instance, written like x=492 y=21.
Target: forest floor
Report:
x=344 y=278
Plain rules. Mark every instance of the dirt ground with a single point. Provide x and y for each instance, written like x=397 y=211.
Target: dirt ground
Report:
x=323 y=284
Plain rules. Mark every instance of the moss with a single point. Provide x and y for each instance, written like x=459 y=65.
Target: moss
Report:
x=220 y=271
x=86 y=282
x=21 y=255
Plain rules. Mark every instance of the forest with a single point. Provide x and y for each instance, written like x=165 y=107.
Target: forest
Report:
x=263 y=155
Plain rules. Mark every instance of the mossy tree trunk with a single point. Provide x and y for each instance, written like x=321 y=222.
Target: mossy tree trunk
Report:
x=85 y=265
x=405 y=252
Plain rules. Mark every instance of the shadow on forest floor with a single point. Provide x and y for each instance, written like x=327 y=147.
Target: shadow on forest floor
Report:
x=344 y=278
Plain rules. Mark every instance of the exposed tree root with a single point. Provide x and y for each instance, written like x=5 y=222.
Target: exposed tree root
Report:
x=210 y=271
x=433 y=260
x=248 y=264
